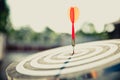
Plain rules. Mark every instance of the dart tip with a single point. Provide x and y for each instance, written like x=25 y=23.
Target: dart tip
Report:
x=73 y=53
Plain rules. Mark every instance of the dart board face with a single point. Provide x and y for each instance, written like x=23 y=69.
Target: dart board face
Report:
x=60 y=62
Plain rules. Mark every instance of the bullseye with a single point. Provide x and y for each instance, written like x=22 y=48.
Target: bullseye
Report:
x=59 y=61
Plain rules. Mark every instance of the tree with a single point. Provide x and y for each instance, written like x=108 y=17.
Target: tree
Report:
x=4 y=13
x=48 y=36
x=88 y=28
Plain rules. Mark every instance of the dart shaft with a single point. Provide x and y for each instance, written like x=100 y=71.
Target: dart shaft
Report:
x=73 y=44
x=73 y=32
x=73 y=37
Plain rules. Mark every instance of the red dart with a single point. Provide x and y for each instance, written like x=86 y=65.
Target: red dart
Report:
x=73 y=16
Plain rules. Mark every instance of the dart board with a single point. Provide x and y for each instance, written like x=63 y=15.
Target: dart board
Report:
x=59 y=63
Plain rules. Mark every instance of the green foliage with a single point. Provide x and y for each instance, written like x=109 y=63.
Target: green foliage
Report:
x=88 y=33
x=26 y=36
x=88 y=28
x=48 y=37
x=4 y=13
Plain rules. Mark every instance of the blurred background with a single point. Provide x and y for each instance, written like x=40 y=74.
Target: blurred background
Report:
x=30 y=26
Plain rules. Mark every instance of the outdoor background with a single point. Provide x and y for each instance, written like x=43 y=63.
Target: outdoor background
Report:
x=30 y=26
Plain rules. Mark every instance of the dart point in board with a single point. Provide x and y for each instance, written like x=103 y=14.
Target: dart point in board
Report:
x=73 y=13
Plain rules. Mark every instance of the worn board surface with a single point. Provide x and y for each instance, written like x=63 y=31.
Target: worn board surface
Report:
x=59 y=63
